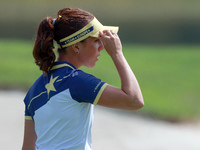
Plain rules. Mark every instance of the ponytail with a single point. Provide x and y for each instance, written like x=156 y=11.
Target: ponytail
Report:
x=43 y=48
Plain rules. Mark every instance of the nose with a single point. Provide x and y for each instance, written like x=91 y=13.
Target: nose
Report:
x=101 y=46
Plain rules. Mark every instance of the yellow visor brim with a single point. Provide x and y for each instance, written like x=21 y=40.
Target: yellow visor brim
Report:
x=113 y=28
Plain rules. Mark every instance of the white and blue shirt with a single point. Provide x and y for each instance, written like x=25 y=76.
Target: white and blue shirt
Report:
x=61 y=105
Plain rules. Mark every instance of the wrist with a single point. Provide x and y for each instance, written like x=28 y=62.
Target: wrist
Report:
x=117 y=55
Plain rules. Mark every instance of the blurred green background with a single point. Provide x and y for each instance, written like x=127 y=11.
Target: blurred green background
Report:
x=160 y=41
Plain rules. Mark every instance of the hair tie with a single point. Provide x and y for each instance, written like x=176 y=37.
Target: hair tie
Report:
x=54 y=20
x=59 y=17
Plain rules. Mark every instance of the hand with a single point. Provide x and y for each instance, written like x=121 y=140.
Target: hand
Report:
x=111 y=42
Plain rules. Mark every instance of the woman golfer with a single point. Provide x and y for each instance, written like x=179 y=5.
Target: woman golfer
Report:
x=59 y=105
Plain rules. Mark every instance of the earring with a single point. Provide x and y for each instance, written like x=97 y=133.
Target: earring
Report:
x=77 y=52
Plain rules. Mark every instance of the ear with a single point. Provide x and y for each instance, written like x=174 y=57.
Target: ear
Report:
x=76 y=48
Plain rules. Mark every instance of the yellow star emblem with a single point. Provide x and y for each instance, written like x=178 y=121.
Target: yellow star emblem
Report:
x=49 y=86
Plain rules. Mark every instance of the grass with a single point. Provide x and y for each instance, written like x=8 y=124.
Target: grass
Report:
x=17 y=64
x=169 y=76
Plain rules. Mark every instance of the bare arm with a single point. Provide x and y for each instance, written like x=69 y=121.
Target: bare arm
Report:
x=129 y=97
x=29 y=136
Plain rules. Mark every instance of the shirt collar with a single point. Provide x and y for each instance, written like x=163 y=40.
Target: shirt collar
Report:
x=60 y=64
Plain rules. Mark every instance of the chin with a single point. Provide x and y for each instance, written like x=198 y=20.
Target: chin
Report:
x=91 y=65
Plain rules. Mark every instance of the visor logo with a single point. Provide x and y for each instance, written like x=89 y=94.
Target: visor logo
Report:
x=78 y=36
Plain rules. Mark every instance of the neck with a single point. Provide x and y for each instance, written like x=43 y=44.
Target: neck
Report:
x=71 y=58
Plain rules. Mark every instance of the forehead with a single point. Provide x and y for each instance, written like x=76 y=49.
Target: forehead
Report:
x=91 y=38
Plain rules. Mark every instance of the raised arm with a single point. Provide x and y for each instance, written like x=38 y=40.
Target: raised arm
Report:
x=129 y=97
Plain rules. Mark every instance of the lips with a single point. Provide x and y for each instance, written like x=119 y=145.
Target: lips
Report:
x=97 y=57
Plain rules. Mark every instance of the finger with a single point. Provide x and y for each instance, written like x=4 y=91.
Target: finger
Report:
x=114 y=34
x=112 y=31
x=101 y=37
x=108 y=32
x=105 y=35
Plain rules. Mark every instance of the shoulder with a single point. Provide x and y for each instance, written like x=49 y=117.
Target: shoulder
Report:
x=84 y=87
x=82 y=77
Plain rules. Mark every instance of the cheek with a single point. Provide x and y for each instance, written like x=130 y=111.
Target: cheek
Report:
x=92 y=51
x=88 y=56
x=89 y=60
x=85 y=58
